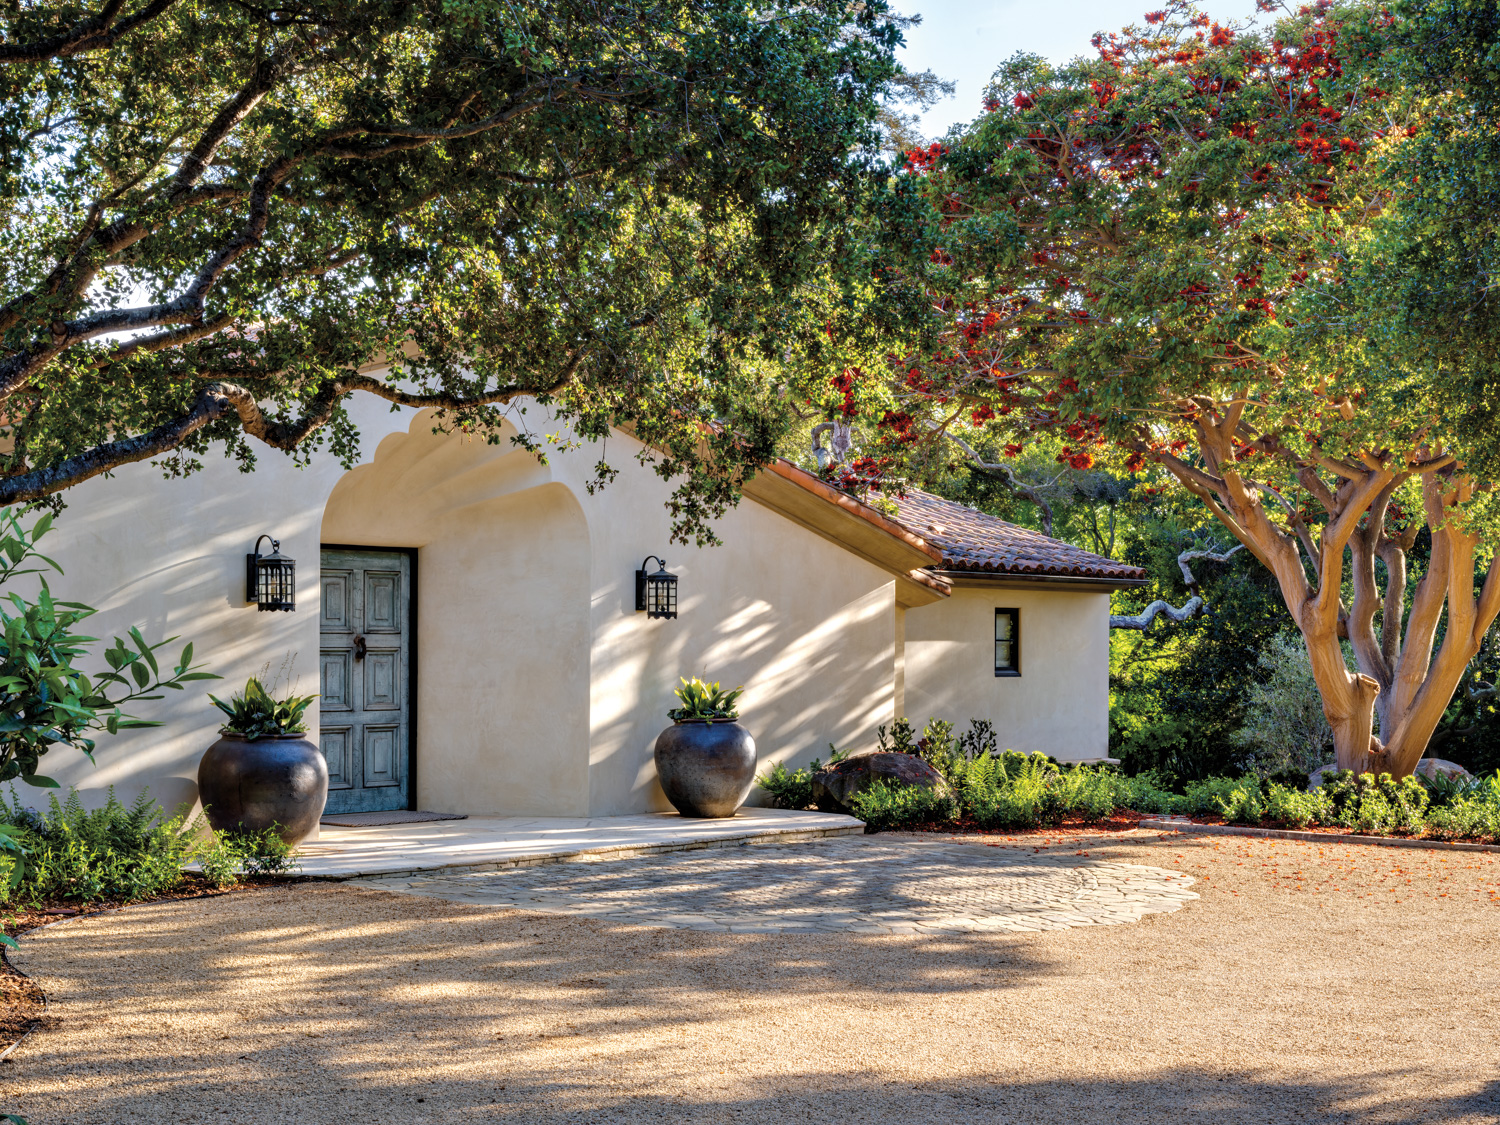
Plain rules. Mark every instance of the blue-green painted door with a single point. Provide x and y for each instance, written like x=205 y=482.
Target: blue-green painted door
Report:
x=365 y=676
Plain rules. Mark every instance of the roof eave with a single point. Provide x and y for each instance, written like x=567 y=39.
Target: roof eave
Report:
x=838 y=517
x=992 y=578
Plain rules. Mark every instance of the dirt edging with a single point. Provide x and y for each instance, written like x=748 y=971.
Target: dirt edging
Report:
x=1188 y=826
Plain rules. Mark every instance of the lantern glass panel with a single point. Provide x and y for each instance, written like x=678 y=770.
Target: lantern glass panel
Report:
x=661 y=595
x=275 y=583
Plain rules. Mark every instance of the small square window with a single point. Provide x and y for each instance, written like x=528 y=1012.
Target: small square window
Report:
x=1007 y=642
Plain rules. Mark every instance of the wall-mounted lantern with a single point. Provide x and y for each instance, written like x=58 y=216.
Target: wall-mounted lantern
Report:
x=270 y=580
x=656 y=592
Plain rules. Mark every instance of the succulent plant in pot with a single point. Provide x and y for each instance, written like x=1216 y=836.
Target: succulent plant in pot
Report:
x=705 y=703
x=705 y=760
x=254 y=713
x=263 y=772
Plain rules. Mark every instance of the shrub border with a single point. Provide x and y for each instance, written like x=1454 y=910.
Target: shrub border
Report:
x=1188 y=826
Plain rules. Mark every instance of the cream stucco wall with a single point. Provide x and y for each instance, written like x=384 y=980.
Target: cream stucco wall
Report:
x=540 y=690
x=1059 y=705
x=803 y=625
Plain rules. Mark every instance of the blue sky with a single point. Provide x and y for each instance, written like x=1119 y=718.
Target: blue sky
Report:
x=965 y=41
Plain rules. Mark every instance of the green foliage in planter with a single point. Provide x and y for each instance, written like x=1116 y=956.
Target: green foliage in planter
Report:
x=1376 y=805
x=705 y=702
x=1210 y=795
x=997 y=789
x=1146 y=792
x=255 y=713
x=1443 y=789
x=1475 y=817
x=121 y=853
x=45 y=700
x=1295 y=808
x=899 y=739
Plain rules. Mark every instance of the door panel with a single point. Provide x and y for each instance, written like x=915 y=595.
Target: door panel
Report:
x=380 y=756
x=335 y=680
x=335 y=608
x=366 y=679
x=335 y=742
x=382 y=681
x=381 y=597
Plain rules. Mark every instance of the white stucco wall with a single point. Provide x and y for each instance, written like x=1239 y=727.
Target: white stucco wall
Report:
x=1059 y=705
x=540 y=690
x=803 y=625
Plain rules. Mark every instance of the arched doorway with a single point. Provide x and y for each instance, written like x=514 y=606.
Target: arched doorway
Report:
x=470 y=693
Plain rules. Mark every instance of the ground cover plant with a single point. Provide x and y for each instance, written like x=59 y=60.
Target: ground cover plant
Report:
x=993 y=789
x=120 y=853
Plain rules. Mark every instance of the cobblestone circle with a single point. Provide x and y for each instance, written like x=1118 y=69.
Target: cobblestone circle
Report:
x=847 y=884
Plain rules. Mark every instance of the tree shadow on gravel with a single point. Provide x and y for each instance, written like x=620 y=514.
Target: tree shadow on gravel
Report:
x=327 y=1004
x=332 y=1096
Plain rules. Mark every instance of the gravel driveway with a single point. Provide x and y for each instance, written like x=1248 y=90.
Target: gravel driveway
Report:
x=1310 y=983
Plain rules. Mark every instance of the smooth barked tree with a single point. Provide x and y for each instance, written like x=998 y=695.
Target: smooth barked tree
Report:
x=1158 y=254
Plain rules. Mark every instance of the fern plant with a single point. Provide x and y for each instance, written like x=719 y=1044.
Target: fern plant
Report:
x=255 y=713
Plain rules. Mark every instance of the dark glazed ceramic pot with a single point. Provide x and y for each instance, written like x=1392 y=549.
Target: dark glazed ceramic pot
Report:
x=706 y=769
x=247 y=786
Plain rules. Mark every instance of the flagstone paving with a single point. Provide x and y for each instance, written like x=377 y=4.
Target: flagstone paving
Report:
x=845 y=884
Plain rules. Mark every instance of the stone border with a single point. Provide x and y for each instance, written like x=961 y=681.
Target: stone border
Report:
x=1191 y=827
x=586 y=855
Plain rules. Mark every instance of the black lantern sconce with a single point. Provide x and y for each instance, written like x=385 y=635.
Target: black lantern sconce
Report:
x=270 y=580
x=656 y=592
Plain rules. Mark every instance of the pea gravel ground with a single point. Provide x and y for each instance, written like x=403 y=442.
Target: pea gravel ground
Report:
x=1310 y=983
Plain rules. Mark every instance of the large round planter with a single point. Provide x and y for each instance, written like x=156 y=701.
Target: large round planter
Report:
x=247 y=786
x=706 y=769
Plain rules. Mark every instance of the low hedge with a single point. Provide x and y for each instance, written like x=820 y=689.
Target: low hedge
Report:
x=994 y=789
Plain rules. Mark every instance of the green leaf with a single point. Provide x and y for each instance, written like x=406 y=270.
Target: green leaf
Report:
x=144 y=649
x=39 y=781
x=140 y=675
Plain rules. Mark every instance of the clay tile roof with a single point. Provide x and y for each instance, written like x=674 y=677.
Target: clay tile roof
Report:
x=972 y=540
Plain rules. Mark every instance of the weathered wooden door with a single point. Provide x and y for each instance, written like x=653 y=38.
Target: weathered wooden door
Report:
x=366 y=679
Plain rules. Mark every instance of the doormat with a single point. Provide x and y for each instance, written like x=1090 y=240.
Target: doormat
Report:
x=399 y=816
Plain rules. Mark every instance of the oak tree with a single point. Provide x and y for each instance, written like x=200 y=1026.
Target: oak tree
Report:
x=219 y=220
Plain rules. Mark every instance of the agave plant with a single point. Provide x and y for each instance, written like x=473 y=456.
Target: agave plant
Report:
x=704 y=702
x=256 y=714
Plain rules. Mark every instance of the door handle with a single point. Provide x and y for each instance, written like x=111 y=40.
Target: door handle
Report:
x=359 y=648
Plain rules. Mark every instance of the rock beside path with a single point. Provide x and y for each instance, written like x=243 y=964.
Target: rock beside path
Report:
x=834 y=788
x=1430 y=768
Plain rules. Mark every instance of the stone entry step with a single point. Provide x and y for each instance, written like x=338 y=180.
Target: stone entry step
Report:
x=482 y=843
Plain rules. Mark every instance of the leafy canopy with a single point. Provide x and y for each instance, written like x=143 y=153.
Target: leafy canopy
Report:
x=214 y=217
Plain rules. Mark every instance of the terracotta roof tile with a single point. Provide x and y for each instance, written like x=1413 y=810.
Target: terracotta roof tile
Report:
x=972 y=540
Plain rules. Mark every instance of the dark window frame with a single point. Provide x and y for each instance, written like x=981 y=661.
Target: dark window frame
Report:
x=1015 y=642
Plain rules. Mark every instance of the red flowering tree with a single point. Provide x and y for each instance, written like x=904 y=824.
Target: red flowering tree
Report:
x=1147 y=254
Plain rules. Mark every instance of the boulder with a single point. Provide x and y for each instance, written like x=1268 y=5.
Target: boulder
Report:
x=1315 y=778
x=834 y=787
x=1429 y=768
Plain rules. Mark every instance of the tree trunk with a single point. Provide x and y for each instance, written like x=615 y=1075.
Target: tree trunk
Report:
x=1398 y=676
